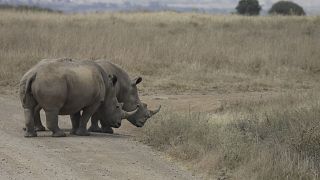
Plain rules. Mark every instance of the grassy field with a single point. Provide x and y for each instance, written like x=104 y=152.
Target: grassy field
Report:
x=275 y=138
x=173 y=52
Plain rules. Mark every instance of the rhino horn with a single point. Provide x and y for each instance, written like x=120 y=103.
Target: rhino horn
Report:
x=153 y=112
x=126 y=114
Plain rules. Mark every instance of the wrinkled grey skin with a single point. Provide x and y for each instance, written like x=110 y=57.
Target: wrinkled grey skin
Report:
x=127 y=93
x=65 y=87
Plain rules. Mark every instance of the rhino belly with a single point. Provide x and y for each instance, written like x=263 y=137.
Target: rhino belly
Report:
x=78 y=100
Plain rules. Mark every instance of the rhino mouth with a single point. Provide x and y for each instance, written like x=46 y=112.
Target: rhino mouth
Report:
x=139 y=124
x=116 y=125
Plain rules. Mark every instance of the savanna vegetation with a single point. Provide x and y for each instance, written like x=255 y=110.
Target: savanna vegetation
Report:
x=287 y=8
x=265 y=138
x=248 y=7
x=25 y=8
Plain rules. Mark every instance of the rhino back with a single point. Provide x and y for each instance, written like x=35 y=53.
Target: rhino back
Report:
x=69 y=85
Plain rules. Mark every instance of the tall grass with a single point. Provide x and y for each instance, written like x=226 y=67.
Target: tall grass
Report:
x=273 y=138
x=276 y=139
x=173 y=52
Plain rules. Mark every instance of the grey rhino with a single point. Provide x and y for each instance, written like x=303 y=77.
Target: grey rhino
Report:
x=66 y=87
x=127 y=93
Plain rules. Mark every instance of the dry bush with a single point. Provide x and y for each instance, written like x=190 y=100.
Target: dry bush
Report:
x=278 y=139
x=173 y=52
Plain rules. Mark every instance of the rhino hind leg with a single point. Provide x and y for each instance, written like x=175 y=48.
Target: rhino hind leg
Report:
x=40 y=128
x=94 y=129
x=94 y=124
x=75 y=119
x=86 y=114
x=37 y=121
x=52 y=123
x=30 y=131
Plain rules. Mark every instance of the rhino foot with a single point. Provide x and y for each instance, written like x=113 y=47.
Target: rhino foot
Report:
x=95 y=129
x=82 y=132
x=59 y=134
x=73 y=131
x=108 y=130
x=40 y=128
x=30 y=134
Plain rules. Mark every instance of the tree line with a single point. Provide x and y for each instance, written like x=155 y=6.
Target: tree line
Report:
x=252 y=8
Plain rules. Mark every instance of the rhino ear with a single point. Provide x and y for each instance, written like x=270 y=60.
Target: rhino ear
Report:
x=114 y=79
x=136 y=80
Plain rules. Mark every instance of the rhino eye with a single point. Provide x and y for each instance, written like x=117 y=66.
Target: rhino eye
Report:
x=117 y=106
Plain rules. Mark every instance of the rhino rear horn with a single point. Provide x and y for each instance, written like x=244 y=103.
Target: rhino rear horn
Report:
x=153 y=112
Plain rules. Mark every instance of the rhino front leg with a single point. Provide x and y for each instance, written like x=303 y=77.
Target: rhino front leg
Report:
x=105 y=128
x=37 y=121
x=75 y=119
x=52 y=123
x=29 y=120
x=94 y=124
x=86 y=114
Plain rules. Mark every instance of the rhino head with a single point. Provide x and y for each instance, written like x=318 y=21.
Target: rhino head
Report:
x=132 y=101
x=112 y=110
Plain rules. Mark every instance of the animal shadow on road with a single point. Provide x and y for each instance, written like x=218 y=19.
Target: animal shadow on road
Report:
x=92 y=135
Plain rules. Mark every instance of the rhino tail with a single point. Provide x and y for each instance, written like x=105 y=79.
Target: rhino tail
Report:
x=29 y=83
x=25 y=88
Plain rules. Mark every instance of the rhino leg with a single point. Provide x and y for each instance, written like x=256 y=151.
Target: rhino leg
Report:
x=105 y=128
x=37 y=121
x=75 y=118
x=94 y=124
x=86 y=114
x=52 y=123
x=29 y=117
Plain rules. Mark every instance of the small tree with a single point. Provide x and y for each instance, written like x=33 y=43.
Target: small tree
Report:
x=248 y=7
x=286 y=8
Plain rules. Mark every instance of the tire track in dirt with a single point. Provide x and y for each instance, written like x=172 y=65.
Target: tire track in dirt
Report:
x=98 y=156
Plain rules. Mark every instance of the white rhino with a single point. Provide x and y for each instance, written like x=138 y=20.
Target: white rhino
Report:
x=66 y=87
x=127 y=93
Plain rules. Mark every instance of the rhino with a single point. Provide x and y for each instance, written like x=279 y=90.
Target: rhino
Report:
x=66 y=87
x=126 y=93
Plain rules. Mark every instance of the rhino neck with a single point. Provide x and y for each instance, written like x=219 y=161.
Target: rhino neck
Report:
x=123 y=87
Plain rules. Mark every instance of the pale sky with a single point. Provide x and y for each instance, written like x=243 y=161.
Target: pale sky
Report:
x=218 y=3
x=312 y=6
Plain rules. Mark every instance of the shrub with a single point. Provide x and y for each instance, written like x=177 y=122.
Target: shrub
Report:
x=274 y=139
x=248 y=7
x=287 y=8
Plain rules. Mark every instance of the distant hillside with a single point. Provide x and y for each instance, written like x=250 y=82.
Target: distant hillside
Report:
x=25 y=8
x=312 y=7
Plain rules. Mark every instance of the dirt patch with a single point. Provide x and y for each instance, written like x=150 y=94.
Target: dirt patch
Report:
x=98 y=156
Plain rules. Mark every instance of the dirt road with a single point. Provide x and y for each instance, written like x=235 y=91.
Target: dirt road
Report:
x=98 y=156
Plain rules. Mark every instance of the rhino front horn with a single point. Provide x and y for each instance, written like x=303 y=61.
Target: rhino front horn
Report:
x=155 y=111
x=126 y=114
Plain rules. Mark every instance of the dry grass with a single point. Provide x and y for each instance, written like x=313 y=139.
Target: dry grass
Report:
x=173 y=52
x=273 y=139
x=276 y=138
